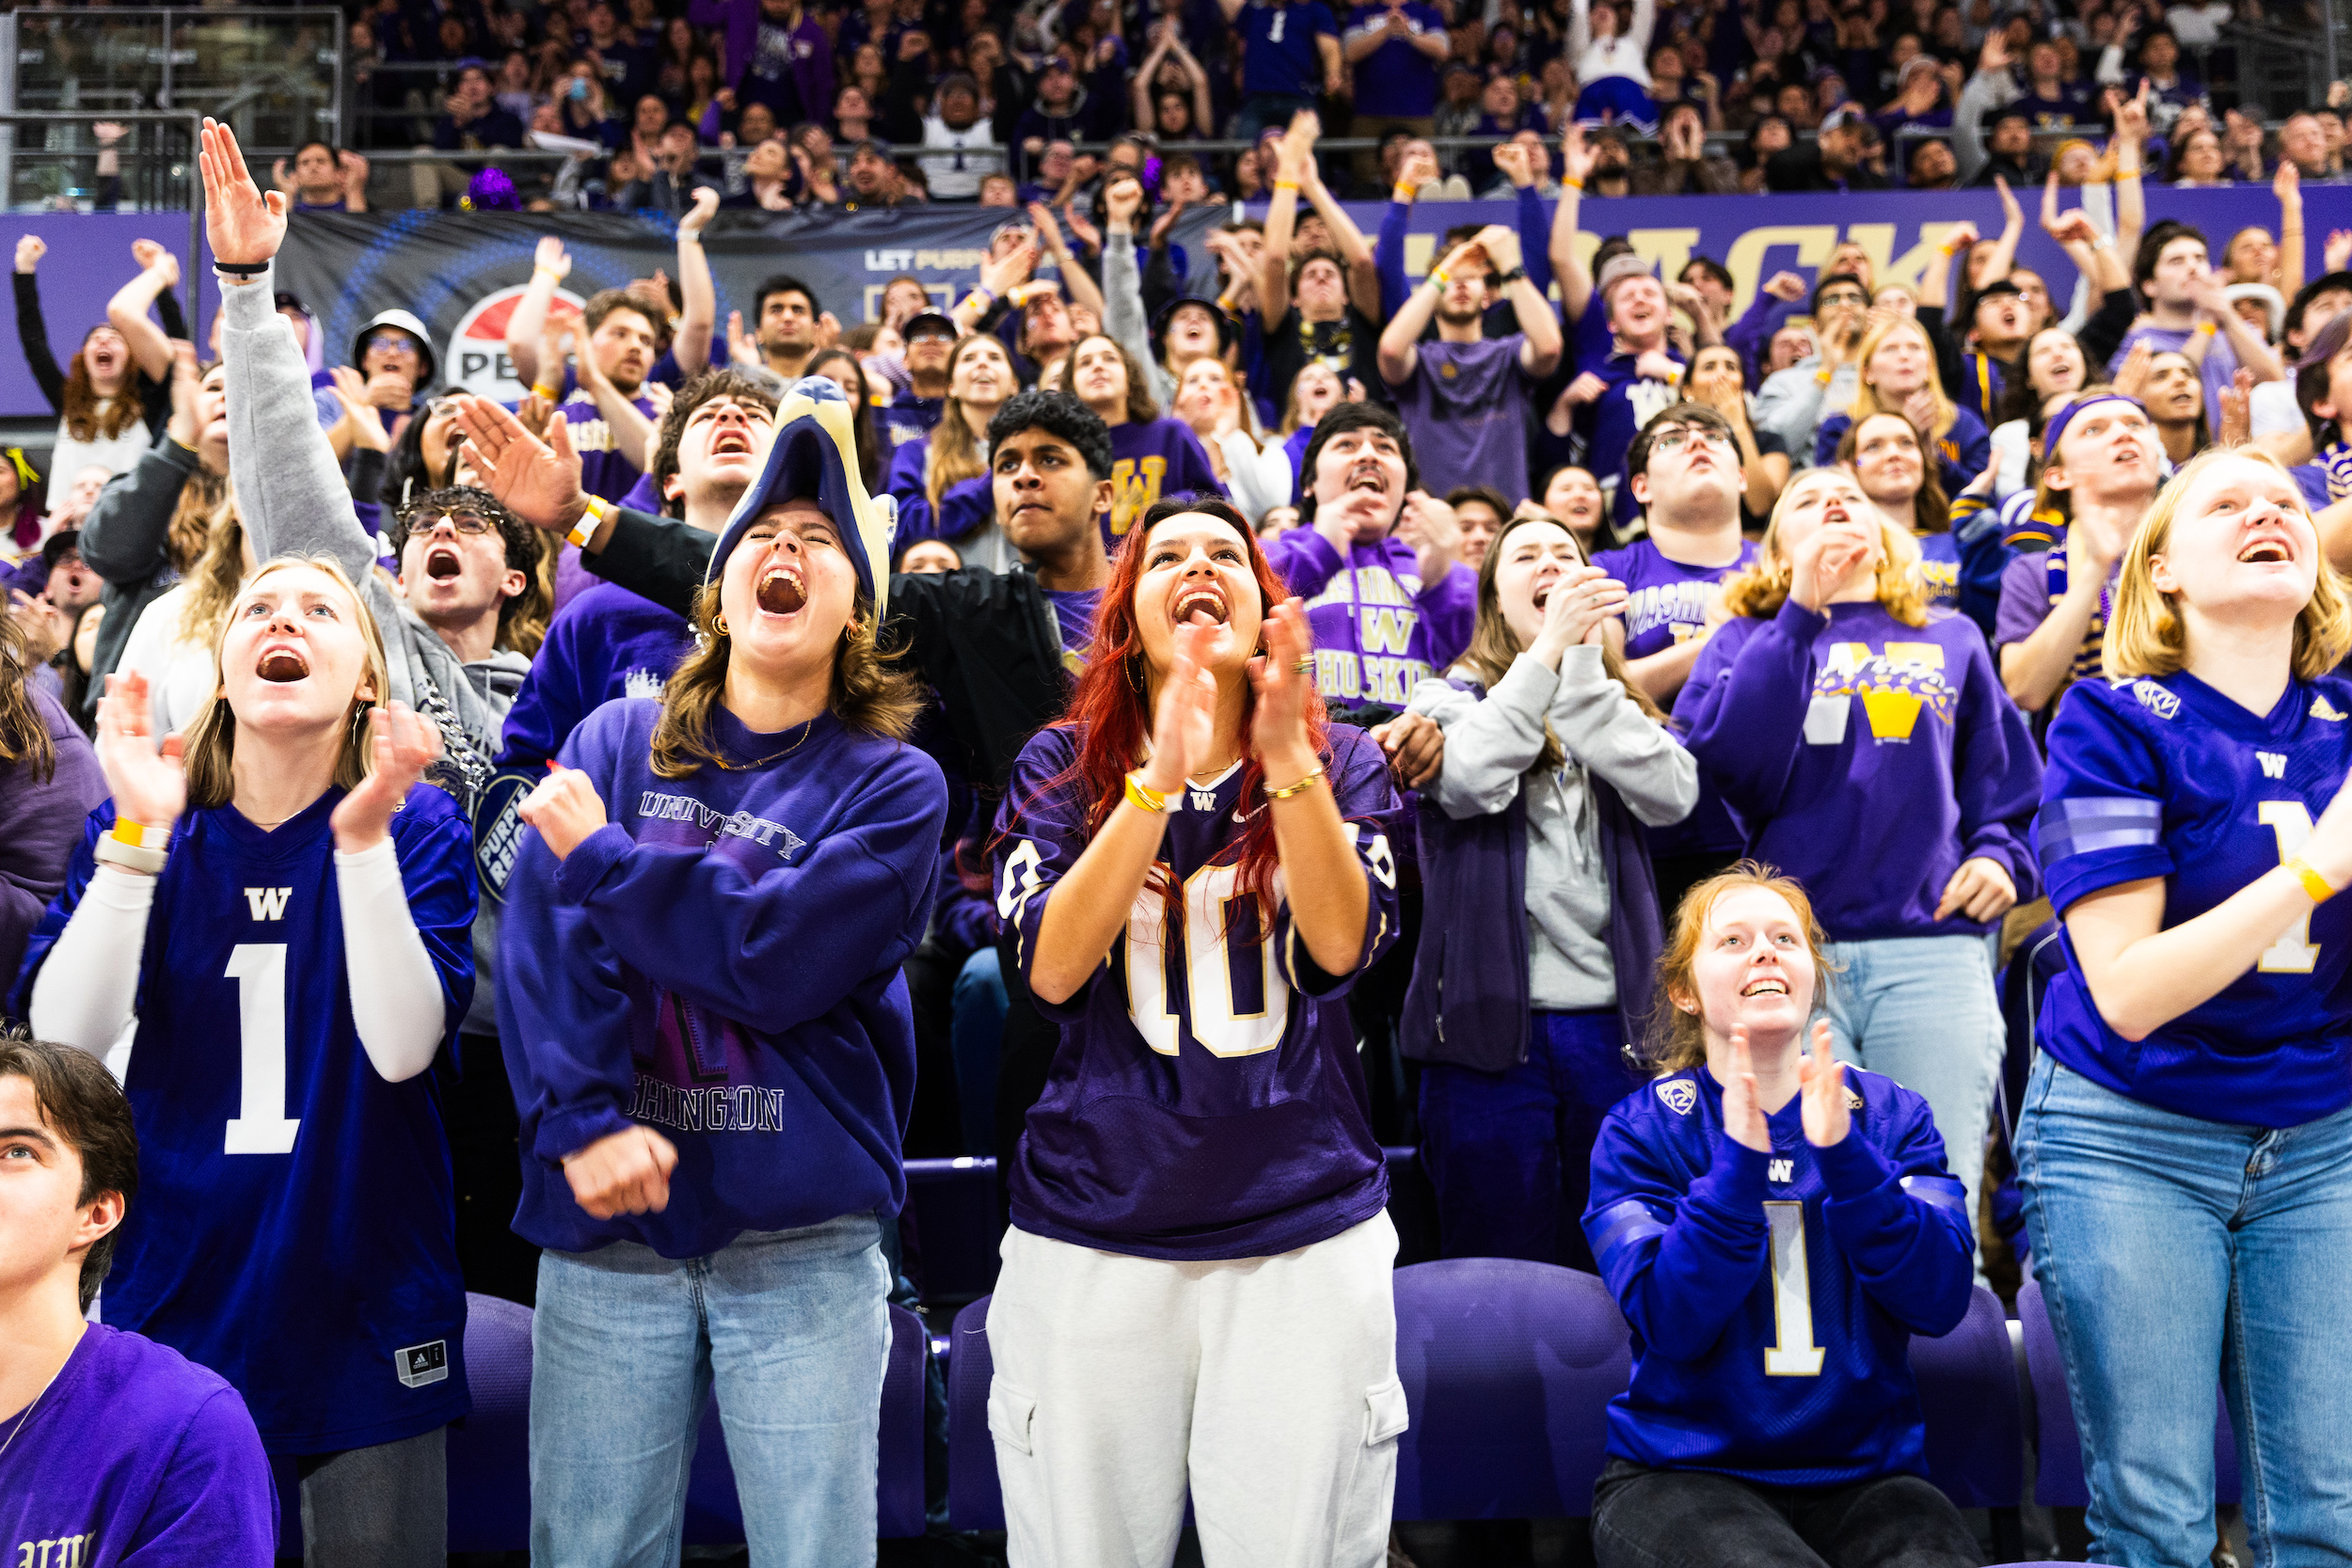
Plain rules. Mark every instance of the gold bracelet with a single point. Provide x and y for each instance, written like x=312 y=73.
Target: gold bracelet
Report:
x=1297 y=788
x=2206 y=329
x=590 y=520
x=2313 y=883
x=1142 y=795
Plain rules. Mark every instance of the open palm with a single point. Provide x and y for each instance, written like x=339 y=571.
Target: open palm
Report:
x=244 y=223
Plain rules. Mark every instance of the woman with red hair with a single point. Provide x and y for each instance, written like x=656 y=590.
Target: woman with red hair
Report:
x=1196 y=1293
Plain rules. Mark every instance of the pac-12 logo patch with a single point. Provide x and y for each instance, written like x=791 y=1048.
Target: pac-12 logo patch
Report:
x=1680 y=1094
x=421 y=1364
x=2155 y=699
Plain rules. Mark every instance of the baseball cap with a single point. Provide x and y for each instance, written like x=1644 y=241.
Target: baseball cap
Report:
x=932 y=321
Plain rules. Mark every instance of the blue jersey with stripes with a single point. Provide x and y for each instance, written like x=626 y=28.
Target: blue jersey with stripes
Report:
x=1773 y=1295
x=2161 y=776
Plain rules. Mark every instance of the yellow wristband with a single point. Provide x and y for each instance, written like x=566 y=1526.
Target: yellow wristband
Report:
x=139 y=835
x=2206 y=329
x=1438 y=277
x=2313 y=883
x=1286 y=185
x=1299 y=789
x=1572 y=184
x=1143 y=797
x=541 y=389
x=1403 y=192
x=590 y=520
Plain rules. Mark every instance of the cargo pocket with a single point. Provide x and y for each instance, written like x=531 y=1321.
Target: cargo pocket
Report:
x=1385 y=1415
x=1012 y=1412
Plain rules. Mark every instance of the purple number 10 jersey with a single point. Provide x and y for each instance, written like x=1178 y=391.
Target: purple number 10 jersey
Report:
x=1206 y=1102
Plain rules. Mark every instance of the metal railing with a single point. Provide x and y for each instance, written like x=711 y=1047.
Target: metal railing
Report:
x=164 y=120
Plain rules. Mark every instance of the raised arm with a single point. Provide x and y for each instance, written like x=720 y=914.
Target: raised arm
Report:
x=1281 y=219
x=2003 y=255
x=550 y=267
x=291 y=494
x=2131 y=201
x=32 y=332
x=633 y=432
x=1576 y=280
x=2288 y=186
x=699 y=318
x=159 y=271
x=1540 y=355
x=1363 y=272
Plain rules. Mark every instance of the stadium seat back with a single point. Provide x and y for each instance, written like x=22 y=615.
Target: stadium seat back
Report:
x=489 y=1451
x=973 y=1501
x=1508 y=1368
x=1968 y=1394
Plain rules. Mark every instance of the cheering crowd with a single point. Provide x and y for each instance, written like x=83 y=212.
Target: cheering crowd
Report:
x=578 y=851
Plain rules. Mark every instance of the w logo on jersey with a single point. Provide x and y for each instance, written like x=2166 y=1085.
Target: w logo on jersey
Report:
x=1135 y=486
x=2273 y=764
x=267 y=903
x=1783 y=1171
x=1680 y=1094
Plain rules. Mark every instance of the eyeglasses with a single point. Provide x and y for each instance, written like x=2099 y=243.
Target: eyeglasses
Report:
x=400 y=341
x=1683 y=435
x=1843 y=298
x=468 y=523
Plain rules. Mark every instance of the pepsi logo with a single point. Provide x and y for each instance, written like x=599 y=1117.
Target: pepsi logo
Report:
x=476 y=357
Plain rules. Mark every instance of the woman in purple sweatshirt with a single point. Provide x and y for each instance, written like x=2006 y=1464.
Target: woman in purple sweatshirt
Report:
x=1864 y=746
x=1151 y=456
x=1540 y=932
x=710 y=1044
x=1386 y=615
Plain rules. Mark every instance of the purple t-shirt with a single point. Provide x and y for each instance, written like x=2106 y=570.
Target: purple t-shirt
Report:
x=1379 y=630
x=1074 y=614
x=1149 y=460
x=1205 y=1100
x=604 y=473
x=135 y=1455
x=1667 y=604
x=1466 y=405
x=1397 y=77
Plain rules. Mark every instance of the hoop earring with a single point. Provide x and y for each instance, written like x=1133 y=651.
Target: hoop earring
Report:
x=719 y=624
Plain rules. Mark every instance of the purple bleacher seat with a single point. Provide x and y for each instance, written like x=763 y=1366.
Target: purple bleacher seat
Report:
x=953 y=1206
x=973 y=1501
x=489 y=1451
x=1508 y=1368
x=2058 y=1473
x=1968 y=1396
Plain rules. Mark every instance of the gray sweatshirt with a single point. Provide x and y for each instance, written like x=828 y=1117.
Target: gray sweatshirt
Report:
x=1490 y=745
x=292 y=499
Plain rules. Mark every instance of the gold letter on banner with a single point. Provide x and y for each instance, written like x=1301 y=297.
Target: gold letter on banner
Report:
x=1814 y=241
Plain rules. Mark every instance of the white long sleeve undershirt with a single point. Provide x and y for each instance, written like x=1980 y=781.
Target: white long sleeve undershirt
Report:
x=85 y=991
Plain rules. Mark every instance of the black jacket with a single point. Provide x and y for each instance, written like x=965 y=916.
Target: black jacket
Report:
x=986 y=641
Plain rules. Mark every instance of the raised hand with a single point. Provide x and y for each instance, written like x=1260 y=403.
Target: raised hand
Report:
x=1121 y=202
x=1418 y=168
x=1743 y=1119
x=244 y=223
x=1825 y=562
x=538 y=480
x=1579 y=600
x=1576 y=155
x=566 y=808
x=1821 y=1082
x=404 y=744
x=551 y=256
x=184 y=385
x=149 y=785
x=2012 y=215
x=1511 y=158
x=1278 y=732
x=1184 y=731
x=359 y=419
x=740 y=348
x=1784 y=286
x=30 y=248
x=2335 y=257
x=694 y=219
x=155 y=258
x=1501 y=242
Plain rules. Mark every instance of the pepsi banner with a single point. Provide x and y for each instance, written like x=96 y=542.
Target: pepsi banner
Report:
x=461 y=271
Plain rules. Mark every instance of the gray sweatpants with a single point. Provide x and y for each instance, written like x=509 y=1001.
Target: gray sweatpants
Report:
x=1266 y=1385
x=381 y=1507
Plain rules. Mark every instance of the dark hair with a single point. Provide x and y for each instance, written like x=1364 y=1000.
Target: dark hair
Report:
x=1141 y=407
x=317 y=141
x=526 y=613
x=1485 y=496
x=2152 y=247
x=783 y=283
x=1931 y=509
x=1824 y=287
x=1713 y=268
x=1059 y=414
x=1678 y=415
x=710 y=383
x=79 y=1099
x=2308 y=291
x=873 y=463
x=605 y=301
x=1339 y=419
x=2311 y=377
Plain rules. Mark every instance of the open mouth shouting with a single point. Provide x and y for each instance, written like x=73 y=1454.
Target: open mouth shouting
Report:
x=1201 y=605
x=442 y=561
x=1543 y=589
x=732 y=440
x=282 y=664
x=1370 y=477
x=2266 y=549
x=1768 y=985
x=783 y=591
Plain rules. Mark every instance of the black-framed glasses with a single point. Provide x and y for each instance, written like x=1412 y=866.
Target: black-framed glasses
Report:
x=1682 y=435
x=464 y=522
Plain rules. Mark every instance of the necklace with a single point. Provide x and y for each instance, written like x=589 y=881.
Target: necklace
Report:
x=747 y=767
x=26 y=1420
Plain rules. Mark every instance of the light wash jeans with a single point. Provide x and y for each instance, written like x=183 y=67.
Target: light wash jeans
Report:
x=792 y=1327
x=2170 y=1249
x=1923 y=1011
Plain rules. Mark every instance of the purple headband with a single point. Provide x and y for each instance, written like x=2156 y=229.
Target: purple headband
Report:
x=2064 y=417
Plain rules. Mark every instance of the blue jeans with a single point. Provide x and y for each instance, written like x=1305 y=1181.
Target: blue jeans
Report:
x=1923 y=1011
x=792 y=1327
x=1511 y=1154
x=2170 y=1248
x=975 y=1040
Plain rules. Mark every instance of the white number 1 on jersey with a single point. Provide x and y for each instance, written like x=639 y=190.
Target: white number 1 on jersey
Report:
x=2293 y=953
x=261 y=1125
x=1794 y=1353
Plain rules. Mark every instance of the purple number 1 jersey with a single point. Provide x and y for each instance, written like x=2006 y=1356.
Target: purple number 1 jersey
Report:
x=1206 y=1102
